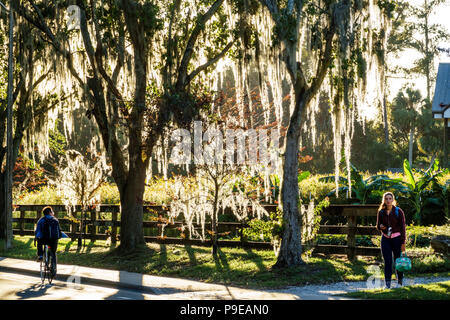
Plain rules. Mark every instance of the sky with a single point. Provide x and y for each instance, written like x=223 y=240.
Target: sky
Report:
x=441 y=16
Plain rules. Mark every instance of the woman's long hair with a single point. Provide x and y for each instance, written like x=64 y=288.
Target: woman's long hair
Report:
x=383 y=205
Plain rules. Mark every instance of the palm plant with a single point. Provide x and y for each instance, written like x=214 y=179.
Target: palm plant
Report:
x=361 y=188
x=415 y=190
x=439 y=197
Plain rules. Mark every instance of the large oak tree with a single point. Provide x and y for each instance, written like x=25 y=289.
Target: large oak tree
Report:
x=115 y=67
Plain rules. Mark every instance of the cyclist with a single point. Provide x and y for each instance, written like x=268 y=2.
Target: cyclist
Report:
x=48 y=232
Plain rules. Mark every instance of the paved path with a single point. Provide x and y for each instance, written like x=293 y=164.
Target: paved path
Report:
x=329 y=290
x=98 y=283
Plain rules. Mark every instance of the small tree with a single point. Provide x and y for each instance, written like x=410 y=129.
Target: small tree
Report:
x=405 y=114
x=426 y=41
x=78 y=180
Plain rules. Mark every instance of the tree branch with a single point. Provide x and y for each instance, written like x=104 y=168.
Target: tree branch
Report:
x=99 y=62
x=53 y=41
x=209 y=63
x=324 y=63
x=201 y=20
x=272 y=6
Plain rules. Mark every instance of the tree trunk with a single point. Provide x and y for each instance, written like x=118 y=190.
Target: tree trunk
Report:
x=8 y=176
x=3 y=224
x=132 y=213
x=386 y=123
x=385 y=118
x=291 y=247
x=214 y=219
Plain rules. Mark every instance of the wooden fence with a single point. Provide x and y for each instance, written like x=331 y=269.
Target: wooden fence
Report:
x=352 y=212
x=94 y=222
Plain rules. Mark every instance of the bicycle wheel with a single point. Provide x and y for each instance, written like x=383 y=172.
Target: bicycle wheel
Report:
x=51 y=266
x=47 y=261
x=43 y=268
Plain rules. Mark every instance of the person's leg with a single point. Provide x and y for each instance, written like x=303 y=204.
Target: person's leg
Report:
x=40 y=249
x=387 y=256
x=397 y=249
x=53 y=245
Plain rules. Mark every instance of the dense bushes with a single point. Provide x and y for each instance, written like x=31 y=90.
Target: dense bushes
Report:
x=433 y=211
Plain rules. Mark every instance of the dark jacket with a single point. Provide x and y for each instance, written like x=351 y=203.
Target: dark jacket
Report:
x=38 y=231
x=390 y=220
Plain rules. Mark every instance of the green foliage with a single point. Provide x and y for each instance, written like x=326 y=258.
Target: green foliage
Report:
x=27 y=176
x=234 y=266
x=421 y=22
x=361 y=188
x=258 y=230
x=285 y=29
x=429 y=142
x=415 y=190
x=45 y=195
x=272 y=230
x=431 y=291
x=420 y=236
x=311 y=225
x=179 y=108
x=388 y=6
x=405 y=117
x=341 y=240
x=57 y=141
x=148 y=14
x=276 y=225
x=432 y=263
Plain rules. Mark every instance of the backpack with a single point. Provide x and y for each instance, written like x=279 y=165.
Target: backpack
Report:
x=50 y=229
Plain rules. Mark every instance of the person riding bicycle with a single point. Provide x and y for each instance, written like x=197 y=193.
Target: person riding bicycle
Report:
x=48 y=232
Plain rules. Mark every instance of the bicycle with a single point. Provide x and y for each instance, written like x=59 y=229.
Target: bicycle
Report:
x=48 y=264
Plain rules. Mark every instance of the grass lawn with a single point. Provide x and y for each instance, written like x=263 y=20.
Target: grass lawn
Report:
x=233 y=266
x=432 y=291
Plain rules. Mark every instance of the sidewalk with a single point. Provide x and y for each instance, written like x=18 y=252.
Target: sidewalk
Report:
x=160 y=286
x=181 y=289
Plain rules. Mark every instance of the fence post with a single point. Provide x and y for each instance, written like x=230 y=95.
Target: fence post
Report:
x=38 y=216
x=22 y=223
x=93 y=226
x=114 y=227
x=351 y=239
x=73 y=227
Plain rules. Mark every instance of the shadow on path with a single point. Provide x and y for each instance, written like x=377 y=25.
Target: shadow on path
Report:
x=121 y=294
x=35 y=291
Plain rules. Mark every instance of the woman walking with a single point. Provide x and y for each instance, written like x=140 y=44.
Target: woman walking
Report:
x=391 y=223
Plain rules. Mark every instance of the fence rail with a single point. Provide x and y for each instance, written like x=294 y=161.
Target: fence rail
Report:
x=351 y=229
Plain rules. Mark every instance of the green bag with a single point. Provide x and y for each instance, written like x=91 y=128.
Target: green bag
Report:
x=403 y=263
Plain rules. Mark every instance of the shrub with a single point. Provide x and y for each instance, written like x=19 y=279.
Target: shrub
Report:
x=430 y=263
x=44 y=195
x=258 y=230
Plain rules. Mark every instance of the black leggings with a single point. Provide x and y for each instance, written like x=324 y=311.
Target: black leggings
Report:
x=52 y=243
x=389 y=247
